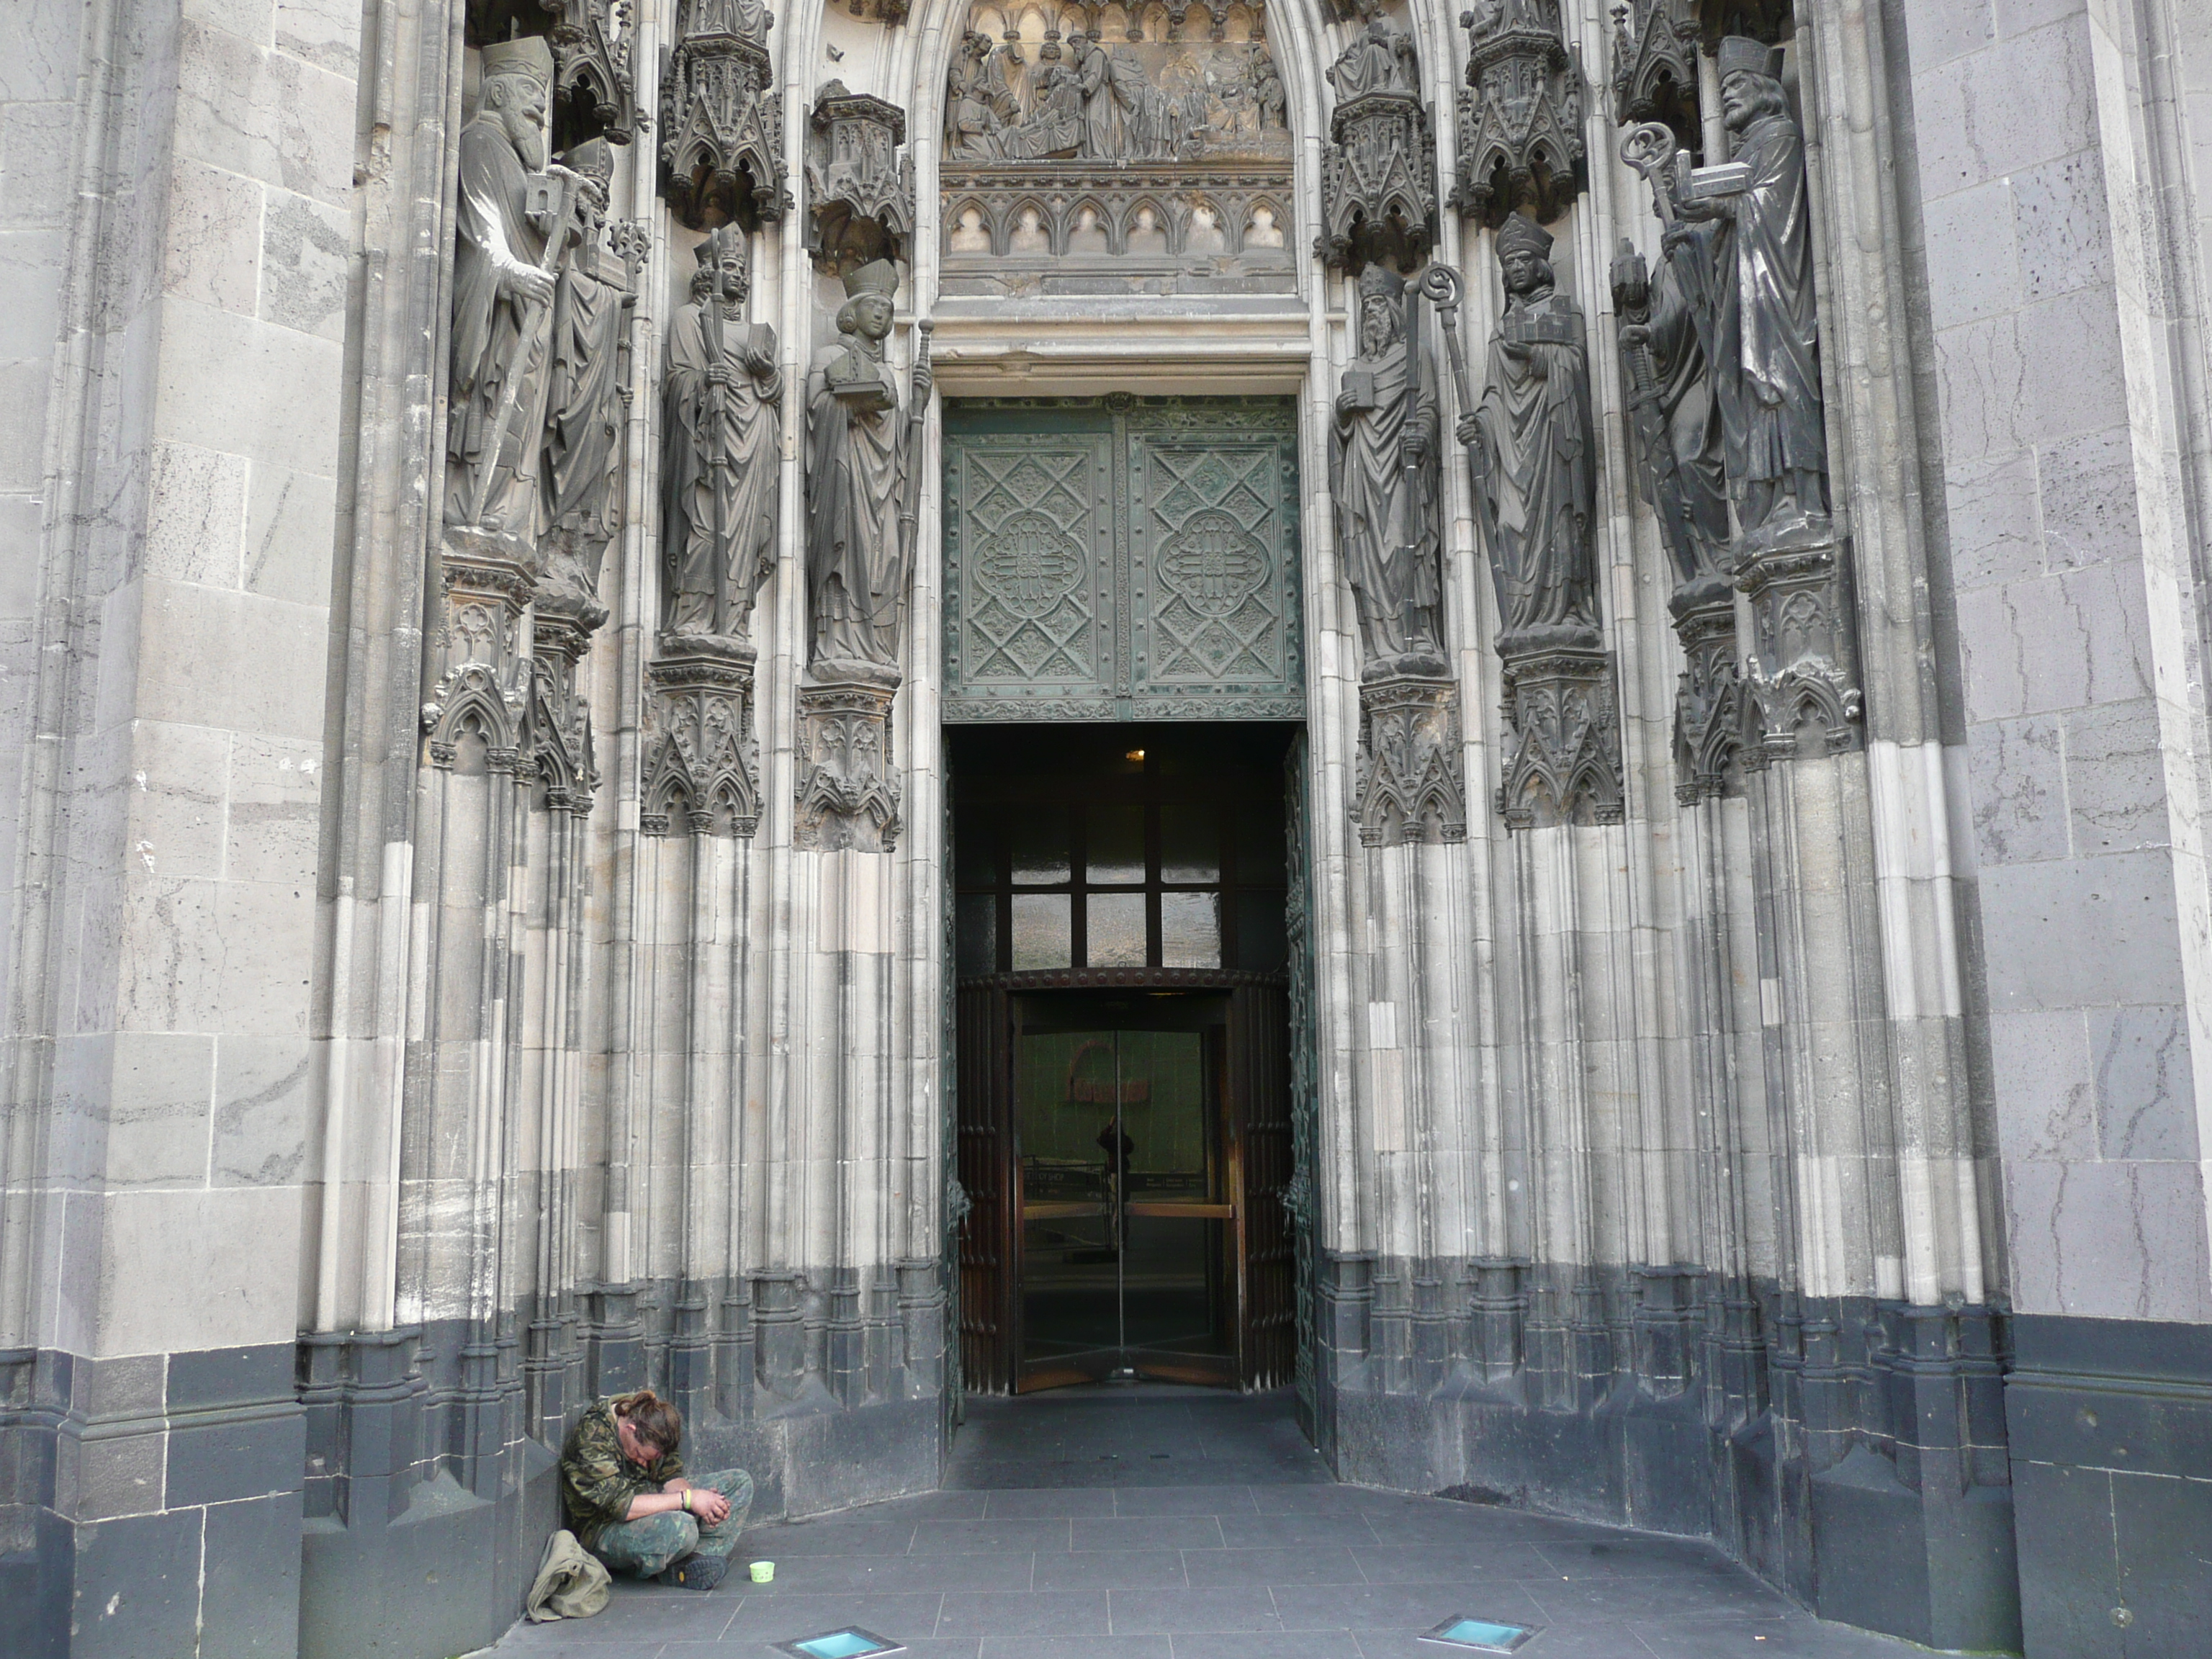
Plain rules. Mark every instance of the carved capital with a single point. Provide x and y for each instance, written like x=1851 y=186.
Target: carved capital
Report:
x=1412 y=786
x=848 y=794
x=1521 y=140
x=860 y=190
x=701 y=762
x=1563 y=757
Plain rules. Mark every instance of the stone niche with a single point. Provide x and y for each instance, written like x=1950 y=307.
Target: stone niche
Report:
x=1109 y=152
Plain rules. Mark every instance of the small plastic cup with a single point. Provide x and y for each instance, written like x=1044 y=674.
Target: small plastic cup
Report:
x=762 y=1572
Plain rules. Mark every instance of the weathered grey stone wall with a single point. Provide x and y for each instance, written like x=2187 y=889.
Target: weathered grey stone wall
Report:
x=178 y=185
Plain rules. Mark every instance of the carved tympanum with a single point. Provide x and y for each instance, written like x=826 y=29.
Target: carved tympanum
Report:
x=1521 y=140
x=721 y=122
x=860 y=190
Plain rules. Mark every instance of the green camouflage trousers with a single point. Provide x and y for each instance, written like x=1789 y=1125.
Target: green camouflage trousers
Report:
x=639 y=1549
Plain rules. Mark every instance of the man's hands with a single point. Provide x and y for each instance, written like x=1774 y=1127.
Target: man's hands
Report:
x=525 y=284
x=711 y=1508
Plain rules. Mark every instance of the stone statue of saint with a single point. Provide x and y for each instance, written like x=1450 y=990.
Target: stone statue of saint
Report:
x=502 y=292
x=585 y=404
x=857 y=467
x=1677 y=422
x=975 y=114
x=1383 y=474
x=723 y=432
x=1381 y=58
x=1094 y=81
x=1538 y=460
x=1749 y=268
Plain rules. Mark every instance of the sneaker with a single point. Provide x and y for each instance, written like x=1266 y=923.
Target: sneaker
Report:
x=697 y=1572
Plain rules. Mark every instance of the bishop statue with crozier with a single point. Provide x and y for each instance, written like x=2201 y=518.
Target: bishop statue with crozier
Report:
x=1536 y=461
x=512 y=216
x=724 y=432
x=1383 y=477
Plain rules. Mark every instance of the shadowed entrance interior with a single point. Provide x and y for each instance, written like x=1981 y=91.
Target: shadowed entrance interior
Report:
x=1124 y=1119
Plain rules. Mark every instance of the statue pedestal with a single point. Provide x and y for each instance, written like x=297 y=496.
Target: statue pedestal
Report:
x=1412 y=786
x=478 y=648
x=1803 y=676
x=701 y=760
x=848 y=794
x=1564 y=763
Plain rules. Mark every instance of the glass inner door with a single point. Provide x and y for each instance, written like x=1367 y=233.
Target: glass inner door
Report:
x=1126 y=1224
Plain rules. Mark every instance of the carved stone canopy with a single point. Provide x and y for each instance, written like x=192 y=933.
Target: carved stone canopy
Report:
x=1761 y=19
x=1654 y=68
x=721 y=157
x=594 y=85
x=1378 y=183
x=860 y=190
x=1521 y=140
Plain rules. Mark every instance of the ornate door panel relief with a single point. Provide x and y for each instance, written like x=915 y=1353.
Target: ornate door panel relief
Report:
x=1132 y=562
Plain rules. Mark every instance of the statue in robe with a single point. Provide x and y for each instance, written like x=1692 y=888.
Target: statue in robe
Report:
x=857 y=469
x=586 y=402
x=1676 y=418
x=502 y=294
x=1745 y=255
x=1383 y=475
x=1381 y=58
x=1101 y=130
x=723 y=431
x=1537 y=495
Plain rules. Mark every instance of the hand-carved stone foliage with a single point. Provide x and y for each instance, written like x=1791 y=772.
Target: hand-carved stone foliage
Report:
x=1412 y=785
x=1563 y=760
x=1711 y=705
x=1802 y=680
x=860 y=190
x=556 y=725
x=1146 y=165
x=473 y=714
x=1520 y=142
x=721 y=123
x=1383 y=477
x=589 y=404
x=701 y=762
x=1654 y=68
x=513 y=228
x=1378 y=171
x=722 y=430
x=848 y=792
x=1532 y=445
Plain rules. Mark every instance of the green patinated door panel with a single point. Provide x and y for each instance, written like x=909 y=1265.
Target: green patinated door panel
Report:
x=1136 y=562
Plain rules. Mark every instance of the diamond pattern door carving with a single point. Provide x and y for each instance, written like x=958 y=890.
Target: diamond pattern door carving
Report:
x=1128 y=562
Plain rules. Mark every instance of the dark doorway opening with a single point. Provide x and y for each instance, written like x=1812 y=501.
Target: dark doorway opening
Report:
x=1123 y=1115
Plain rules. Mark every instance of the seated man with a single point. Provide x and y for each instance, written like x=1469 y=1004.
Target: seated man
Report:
x=624 y=1491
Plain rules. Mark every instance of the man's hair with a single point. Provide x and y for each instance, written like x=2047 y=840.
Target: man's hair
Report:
x=659 y=1423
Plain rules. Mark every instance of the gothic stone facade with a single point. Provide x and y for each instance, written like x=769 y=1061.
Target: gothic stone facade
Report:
x=477 y=672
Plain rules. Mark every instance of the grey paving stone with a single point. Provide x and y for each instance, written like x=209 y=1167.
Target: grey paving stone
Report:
x=1181 y=1612
x=1111 y=1570
x=1186 y=1500
x=1440 y=1563
x=1271 y=1645
x=780 y=1618
x=1798 y=1637
x=1633 y=1557
x=1165 y=1532
x=1078 y=1647
x=1614 y=1641
x=985 y=1537
x=1313 y=1564
x=823 y=1574
x=1040 y=1613
x=1285 y=1531
x=782 y=1542
x=1047 y=1503
x=1401 y=1606
x=1741 y=1597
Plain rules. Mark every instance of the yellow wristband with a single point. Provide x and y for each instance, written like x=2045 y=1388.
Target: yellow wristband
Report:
x=685 y=1499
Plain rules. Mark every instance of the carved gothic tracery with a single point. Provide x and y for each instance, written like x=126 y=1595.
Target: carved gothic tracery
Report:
x=1654 y=68
x=860 y=190
x=721 y=123
x=1521 y=140
x=1378 y=171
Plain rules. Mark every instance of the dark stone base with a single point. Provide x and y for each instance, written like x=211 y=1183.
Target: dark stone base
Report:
x=1851 y=1454
x=2111 y=1463
x=150 y=1504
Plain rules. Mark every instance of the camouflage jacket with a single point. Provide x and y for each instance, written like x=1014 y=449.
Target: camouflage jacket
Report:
x=598 y=1480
